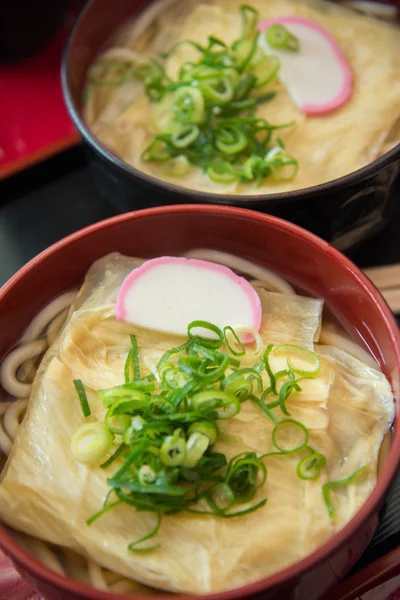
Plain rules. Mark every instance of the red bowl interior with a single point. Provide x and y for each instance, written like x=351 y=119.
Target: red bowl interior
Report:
x=301 y=257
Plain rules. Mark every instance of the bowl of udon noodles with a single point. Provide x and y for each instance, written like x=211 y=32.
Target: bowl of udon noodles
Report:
x=195 y=401
x=286 y=107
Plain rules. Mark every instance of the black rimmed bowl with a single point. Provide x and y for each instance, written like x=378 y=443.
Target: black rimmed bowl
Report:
x=344 y=211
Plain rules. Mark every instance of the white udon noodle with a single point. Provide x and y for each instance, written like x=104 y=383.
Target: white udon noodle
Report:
x=19 y=368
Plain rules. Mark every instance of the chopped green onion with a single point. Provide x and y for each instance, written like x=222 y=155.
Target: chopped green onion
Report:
x=231 y=347
x=230 y=139
x=205 y=116
x=219 y=90
x=327 y=487
x=253 y=168
x=264 y=408
x=82 y=397
x=196 y=446
x=134 y=390
x=244 y=51
x=173 y=450
x=249 y=16
x=243 y=331
x=265 y=69
x=185 y=135
x=241 y=386
x=290 y=436
x=188 y=105
x=207 y=428
x=174 y=378
x=135 y=358
x=272 y=378
x=279 y=37
x=117 y=424
x=213 y=344
x=282 y=166
x=133 y=545
x=299 y=360
x=146 y=475
x=285 y=391
x=310 y=466
x=91 y=442
x=102 y=512
x=166 y=424
x=222 y=497
x=157 y=151
x=222 y=172
x=245 y=474
x=225 y=405
x=113 y=457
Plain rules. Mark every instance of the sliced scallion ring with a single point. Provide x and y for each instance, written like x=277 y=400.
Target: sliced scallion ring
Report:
x=117 y=424
x=281 y=165
x=252 y=339
x=265 y=69
x=188 y=105
x=207 y=428
x=218 y=90
x=240 y=383
x=222 y=497
x=198 y=339
x=310 y=466
x=222 y=172
x=225 y=405
x=299 y=360
x=196 y=445
x=230 y=139
x=238 y=350
x=279 y=37
x=185 y=135
x=173 y=450
x=91 y=442
x=157 y=151
x=290 y=436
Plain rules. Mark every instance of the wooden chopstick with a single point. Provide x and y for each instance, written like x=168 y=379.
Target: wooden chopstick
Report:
x=387 y=280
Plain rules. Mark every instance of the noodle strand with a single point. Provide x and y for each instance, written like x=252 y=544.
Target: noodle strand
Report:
x=244 y=266
x=12 y=417
x=11 y=364
x=42 y=320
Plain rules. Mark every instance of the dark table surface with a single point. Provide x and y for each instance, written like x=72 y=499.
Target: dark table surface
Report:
x=40 y=206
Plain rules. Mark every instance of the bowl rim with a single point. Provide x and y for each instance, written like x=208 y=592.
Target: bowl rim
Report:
x=323 y=552
x=198 y=195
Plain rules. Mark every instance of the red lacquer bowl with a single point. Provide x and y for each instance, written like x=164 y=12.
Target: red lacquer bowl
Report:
x=302 y=258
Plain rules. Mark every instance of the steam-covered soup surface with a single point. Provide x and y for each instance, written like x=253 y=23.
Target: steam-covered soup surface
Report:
x=256 y=99
x=183 y=436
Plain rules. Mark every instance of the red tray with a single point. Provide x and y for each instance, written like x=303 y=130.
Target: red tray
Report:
x=34 y=122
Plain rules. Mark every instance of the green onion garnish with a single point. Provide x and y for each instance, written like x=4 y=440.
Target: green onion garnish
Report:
x=279 y=37
x=165 y=426
x=206 y=116
x=300 y=360
x=290 y=436
x=330 y=485
x=310 y=466
x=133 y=545
x=91 y=442
x=113 y=457
x=82 y=397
